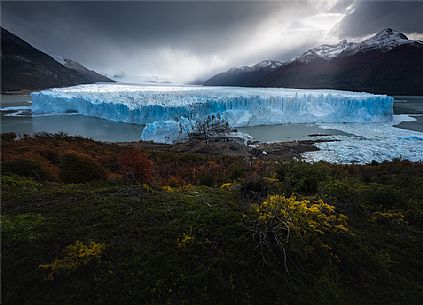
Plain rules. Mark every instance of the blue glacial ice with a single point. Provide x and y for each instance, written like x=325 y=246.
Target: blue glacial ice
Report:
x=241 y=106
x=367 y=142
x=169 y=113
x=163 y=109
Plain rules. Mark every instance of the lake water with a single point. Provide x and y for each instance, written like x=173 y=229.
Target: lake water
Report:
x=16 y=118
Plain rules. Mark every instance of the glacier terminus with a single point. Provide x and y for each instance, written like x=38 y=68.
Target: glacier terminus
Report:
x=165 y=109
x=170 y=112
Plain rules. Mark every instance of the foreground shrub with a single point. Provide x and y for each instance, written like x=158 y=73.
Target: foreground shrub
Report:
x=286 y=225
x=74 y=256
x=367 y=197
x=80 y=168
x=22 y=183
x=37 y=169
x=389 y=218
x=207 y=179
x=8 y=136
x=22 y=227
x=258 y=187
x=300 y=216
x=301 y=177
x=135 y=166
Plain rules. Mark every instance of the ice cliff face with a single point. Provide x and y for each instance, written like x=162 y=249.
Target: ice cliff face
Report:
x=163 y=109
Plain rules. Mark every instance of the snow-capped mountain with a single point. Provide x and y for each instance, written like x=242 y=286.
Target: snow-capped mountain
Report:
x=248 y=75
x=268 y=64
x=325 y=51
x=265 y=64
x=384 y=41
x=387 y=62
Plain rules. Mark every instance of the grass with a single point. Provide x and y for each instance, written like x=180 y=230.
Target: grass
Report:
x=114 y=242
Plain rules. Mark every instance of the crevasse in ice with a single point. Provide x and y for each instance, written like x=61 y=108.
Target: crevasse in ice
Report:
x=166 y=110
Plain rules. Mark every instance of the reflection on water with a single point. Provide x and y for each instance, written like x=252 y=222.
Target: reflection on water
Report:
x=412 y=105
x=18 y=119
x=22 y=122
x=73 y=124
x=288 y=132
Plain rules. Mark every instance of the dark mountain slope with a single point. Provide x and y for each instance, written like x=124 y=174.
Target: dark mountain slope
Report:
x=386 y=63
x=396 y=72
x=25 y=68
x=90 y=75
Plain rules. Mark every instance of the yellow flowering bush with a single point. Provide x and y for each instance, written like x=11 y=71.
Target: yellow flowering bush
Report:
x=167 y=189
x=389 y=217
x=74 y=256
x=303 y=216
x=227 y=186
x=185 y=240
x=146 y=188
x=286 y=225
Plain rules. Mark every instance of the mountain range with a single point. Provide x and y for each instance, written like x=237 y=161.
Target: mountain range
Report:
x=386 y=63
x=25 y=68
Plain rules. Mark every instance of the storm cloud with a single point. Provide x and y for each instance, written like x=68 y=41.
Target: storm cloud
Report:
x=367 y=17
x=184 y=41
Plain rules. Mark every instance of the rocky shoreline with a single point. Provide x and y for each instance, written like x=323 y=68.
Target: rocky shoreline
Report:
x=277 y=150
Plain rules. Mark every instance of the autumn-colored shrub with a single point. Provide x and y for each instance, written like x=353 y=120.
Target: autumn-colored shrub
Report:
x=208 y=174
x=80 y=168
x=135 y=166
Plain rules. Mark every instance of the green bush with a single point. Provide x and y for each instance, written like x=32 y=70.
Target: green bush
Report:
x=371 y=197
x=36 y=169
x=301 y=177
x=8 y=136
x=258 y=187
x=206 y=179
x=79 y=168
x=22 y=226
x=19 y=182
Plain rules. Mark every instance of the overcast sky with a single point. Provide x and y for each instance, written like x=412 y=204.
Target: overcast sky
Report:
x=185 y=41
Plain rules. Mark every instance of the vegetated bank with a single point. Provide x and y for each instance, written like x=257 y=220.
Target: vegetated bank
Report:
x=85 y=222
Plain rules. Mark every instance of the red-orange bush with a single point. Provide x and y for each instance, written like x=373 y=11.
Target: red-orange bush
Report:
x=136 y=166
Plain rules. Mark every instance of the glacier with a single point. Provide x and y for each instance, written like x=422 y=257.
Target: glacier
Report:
x=163 y=108
x=379 y=142
x=169 y=113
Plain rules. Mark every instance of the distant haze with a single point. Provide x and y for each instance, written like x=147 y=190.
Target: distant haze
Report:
x=188 y=41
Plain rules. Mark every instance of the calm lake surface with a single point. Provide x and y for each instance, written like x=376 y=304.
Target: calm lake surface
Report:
x=16 y=117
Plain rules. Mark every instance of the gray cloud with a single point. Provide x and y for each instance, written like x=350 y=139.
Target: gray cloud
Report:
x=373 y=16
x=185 y=40
x=98 y=32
